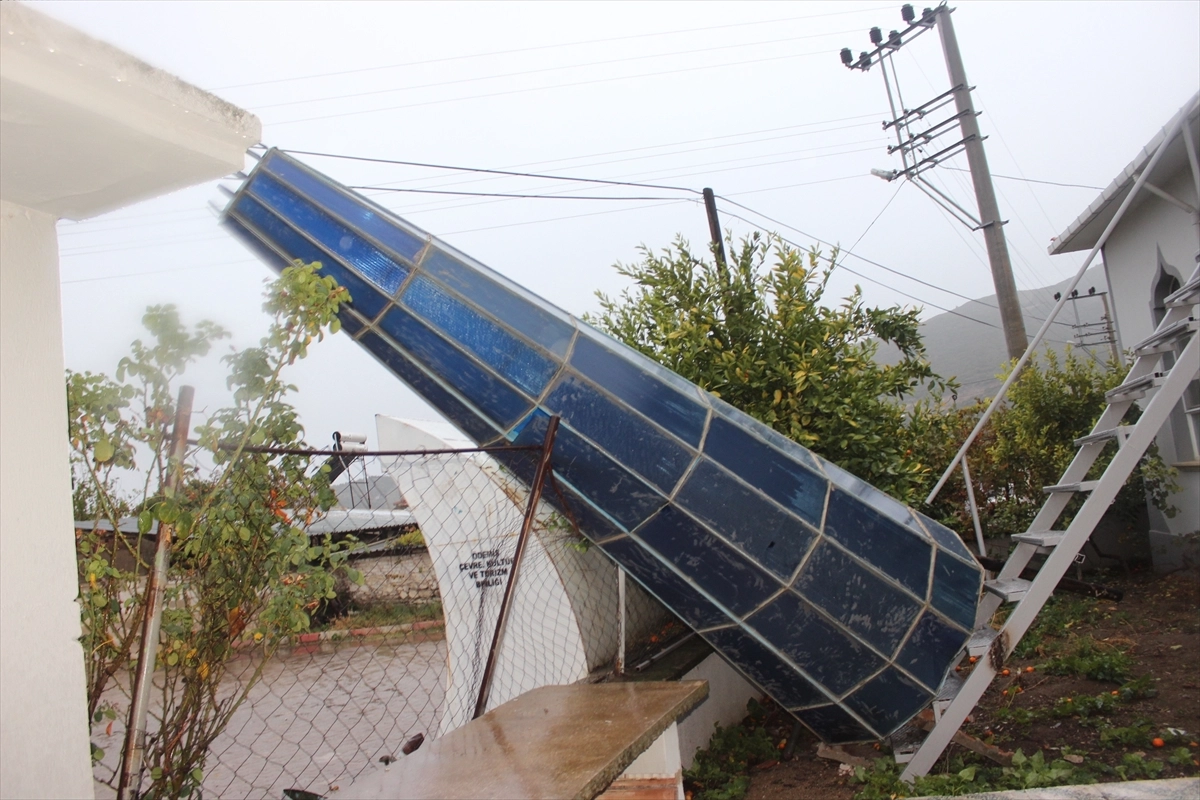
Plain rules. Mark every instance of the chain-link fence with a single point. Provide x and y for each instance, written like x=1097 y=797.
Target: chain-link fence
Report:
x=402 y=652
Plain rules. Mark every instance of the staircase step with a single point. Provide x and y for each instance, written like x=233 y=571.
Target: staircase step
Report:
x=1186 y=295
x=981 y=641
x=1010 y=590
x=1131 y=390
x=1080 y=486
x=1040 y=539
x=1117 y=433
x=1163 y=340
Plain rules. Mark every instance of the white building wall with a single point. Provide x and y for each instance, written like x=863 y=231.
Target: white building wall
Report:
x=44 y=748
x=1132 y=259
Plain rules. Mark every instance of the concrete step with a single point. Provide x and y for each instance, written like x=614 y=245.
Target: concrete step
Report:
x=1120 y=433
x=1079 y=486
x=1163 y=340
x=1044 y=541
x=1132 y=390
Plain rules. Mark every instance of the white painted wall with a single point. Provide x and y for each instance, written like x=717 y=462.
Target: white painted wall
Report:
x=43 y=706
x=1131 y=258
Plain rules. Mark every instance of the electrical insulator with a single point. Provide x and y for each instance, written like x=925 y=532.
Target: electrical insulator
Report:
x=876 y=36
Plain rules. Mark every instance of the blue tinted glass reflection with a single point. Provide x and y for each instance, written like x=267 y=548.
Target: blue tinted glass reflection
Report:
x=888 y=700
x=727 y=576
x=956 y=589
x=659 y=580
x=764 y=667
x=930 y=650
x=364 y=298
x=816 y=645
x=534 y=322
x=492 y=396
x=459 y=413
x=860 y=600
x=762 y=530
x=880 y=541
x=492 y=344
x=333 y=236
x=631 y=440
x=947 y=538
x=767 y=469
x=834 y=725
x=676 y=412
x=384 y=228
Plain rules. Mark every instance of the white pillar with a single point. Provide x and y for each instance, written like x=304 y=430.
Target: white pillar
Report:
x=43 y=699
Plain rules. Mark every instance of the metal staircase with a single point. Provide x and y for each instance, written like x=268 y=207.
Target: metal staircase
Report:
x=1152 y=377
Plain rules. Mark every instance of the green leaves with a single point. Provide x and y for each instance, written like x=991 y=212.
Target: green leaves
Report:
x=760 y=336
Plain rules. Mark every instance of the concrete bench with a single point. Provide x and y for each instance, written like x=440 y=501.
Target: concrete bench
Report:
x=551 y=742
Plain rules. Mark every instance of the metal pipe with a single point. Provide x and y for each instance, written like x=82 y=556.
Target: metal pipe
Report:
x=619 y=667
x=129 y=783
x=974 y=508
x=535 y=494
x=1037 y=339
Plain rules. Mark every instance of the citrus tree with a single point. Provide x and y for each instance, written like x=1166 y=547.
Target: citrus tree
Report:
x=244 y=574
x=760 y=333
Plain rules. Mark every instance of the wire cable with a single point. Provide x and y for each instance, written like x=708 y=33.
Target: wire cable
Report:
x=503 y=194
x=535 y=48
x=485 y=171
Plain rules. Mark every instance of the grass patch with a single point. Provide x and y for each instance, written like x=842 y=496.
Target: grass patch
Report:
x=721 y=771
x=1088 y=658
x=1054 y=621
x=962 y=776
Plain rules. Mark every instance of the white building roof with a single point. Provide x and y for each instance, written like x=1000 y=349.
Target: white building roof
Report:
x=1084 y=232
x=86 y=128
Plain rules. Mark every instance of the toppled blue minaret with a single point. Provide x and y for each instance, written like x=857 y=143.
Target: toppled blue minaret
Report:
x=844 y=605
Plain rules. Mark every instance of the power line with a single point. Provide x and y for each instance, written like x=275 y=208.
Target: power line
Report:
x=535 y=48
x=525 y=90
x=485 y=171
x=541 y=70
x=1032 y=180
x=862 y=235
x=505 y=194
x=872 y=263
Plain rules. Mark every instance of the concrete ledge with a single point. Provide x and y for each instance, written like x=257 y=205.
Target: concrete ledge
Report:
x=1174 y=789
x=553 y=742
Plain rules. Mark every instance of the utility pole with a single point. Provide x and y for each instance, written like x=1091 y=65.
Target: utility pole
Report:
x=985 y=194
x=913 y=146
x=714 y=228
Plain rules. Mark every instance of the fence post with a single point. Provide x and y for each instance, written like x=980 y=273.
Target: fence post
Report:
x=130 y=781
x=535 y=494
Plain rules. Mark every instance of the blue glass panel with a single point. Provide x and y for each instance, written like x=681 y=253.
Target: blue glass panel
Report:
x=364 y=298
x=583 y=514
x=879 y=541
x=376 y=223
x=761 y=529
x=956 y=589
x=495 y=346
x=930 y=650
x=237 y=226
x=788 y=687
x=727 y=576
x=947 y=538
x=818 y=646
x=676 y=412
x=834 y=725
x=883 y=504
x=767 y=469
x=350 y=323
x=490 y=395
x=659 y=580
x=768 y=434
x=592 y=473
x=879 y=613
x=634 y=442
x=459 y=413
x=522 y=315
x=889 y=700
x=333 y=236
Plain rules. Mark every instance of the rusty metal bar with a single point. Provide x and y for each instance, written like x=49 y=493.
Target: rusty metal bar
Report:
x=535 y=494
x=129 y=784
x=297 y=451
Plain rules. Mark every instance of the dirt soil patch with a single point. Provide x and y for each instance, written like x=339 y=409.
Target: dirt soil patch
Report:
x=1113 y=687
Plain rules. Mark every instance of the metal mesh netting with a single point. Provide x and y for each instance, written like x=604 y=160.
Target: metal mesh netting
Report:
x=401 y=653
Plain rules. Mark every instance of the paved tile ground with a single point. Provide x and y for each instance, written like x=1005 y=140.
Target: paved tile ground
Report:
x=319 y=717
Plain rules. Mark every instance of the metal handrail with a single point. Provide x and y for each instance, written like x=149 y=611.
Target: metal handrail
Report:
x=1174 y=127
